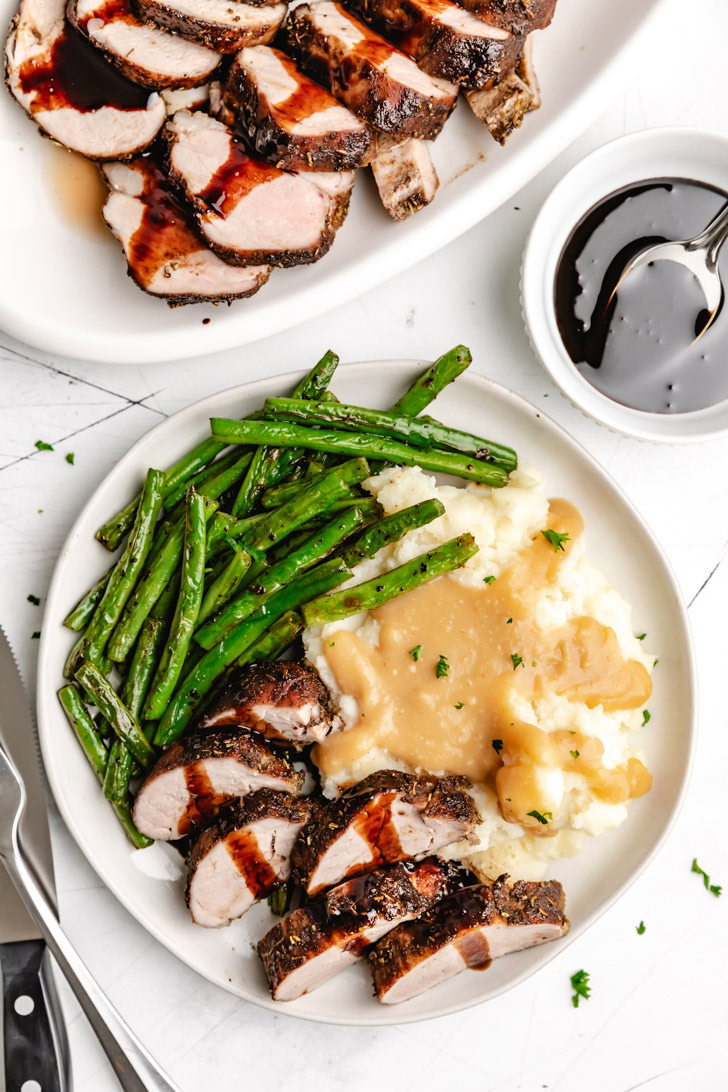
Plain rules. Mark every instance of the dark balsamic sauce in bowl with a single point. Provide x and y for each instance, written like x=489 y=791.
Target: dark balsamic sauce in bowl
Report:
x=639 y=347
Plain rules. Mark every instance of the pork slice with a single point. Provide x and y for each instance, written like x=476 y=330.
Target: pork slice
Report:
x=516 y=16
x=195 y=777
x=319 y=940
x=151 y=57
x=289 y=119
x=374 y=79
x=387 y=817
x=222 y=25
x=165 y=256
x=248 y=211
x=444 y=39
x=405 y=176
x=70 y=91
x=243 y=855
x=503 y=107
x=469 y=928
x=286 y=702
x=186 y=98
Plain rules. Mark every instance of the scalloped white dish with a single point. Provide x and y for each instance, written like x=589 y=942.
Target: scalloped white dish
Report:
x=618 y=541
x=68 y=292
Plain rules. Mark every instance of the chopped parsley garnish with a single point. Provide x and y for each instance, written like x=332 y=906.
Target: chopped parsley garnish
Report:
x=70 y=457
x=581 y=987
x=35 y=636
x=34 y=600
x=488 y=579
x=556 y=539
x=646 y=716
x=509 y=621
x=43 y=446
x=332 y=644
x=656 y=663
x=543 y=819
x=497 y=745
x=641 y=636
x=460 y=705
x=640 y=928
x=442 y=667
x=714 y=888
x=415 y=652
x=574 y=754
x=516 y=660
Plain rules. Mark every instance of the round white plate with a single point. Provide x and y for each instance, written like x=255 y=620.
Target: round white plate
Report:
x=69 y=293
x=617 y=540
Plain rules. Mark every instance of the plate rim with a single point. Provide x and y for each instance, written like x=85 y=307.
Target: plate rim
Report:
x=46 y=689
x=465 y=211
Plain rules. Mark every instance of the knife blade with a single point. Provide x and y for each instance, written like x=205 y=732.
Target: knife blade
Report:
x=34 y=1039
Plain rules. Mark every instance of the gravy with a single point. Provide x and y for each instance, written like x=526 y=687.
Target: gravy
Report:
x=494 y=654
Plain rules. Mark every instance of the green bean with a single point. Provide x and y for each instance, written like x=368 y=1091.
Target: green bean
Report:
x=420 y=432
x=274 y=641
x=198 y=682
x=255 y=480
x=187 y=609
x=351 y=443
x=198 y=480
x=123 y=814
x=153 y=581
x=308 y=504
x=110 y=705
x=312 y=551
x=373 y=593
x=112 y=532
x=77 y=618
x=316 y=382
x=86 y=732
x=126 y=573
x=224 y=587
x=281 y=494
x=447 y=368
x=219 y=483
x=391 y=529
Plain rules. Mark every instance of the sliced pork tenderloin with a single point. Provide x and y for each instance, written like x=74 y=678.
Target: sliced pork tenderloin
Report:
x=387 y=817
x=286 y=702
x=248 y=211
x=516 y=16
x=467 y=929
x=165 y=256
x=373 y=79
x=503 y=107
x=289 y=119
x=223 y=25
x=444 y=39
x=319 y=940
x=405 y=176
x=71 y=92
x=243 y=855
x=195 y=777
x=144 y=54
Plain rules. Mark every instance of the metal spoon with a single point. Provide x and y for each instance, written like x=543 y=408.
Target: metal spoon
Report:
x=698 y=255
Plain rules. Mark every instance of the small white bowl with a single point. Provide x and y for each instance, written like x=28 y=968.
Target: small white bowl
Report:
x=698 y=154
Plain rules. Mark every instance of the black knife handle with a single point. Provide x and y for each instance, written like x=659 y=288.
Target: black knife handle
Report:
x=30 y=1048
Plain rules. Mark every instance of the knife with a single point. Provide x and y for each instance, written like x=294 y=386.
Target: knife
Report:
x=34 y=1034
x=134 y=1067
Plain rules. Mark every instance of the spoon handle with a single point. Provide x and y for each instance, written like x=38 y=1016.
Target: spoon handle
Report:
x=711 y=240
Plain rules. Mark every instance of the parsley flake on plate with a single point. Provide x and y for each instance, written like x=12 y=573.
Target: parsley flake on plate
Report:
x=574 y=754
x=460 y=705
x=70 y=457
x=488 y=579
x=556 y=539
x=415 y=652
x=581 y=987
x=543 y=819
x=43 y=446
x=497 y=745
x=714 y=888
x=516 y=660
x=442 y=667
x=646 y=716
x=34 y=600
x=640 y=928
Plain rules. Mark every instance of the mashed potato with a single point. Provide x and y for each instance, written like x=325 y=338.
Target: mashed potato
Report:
x=504 y=522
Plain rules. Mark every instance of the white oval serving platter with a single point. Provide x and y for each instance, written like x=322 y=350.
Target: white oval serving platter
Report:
x=68 y=293
x=618 y=541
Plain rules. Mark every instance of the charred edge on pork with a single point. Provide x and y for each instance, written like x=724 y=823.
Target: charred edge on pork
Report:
x=284 y=701
x=387 y=817
x=243 y=855
x=379 y=86
x=405 y=176
x=339 y=141
x=237 y=24
x=503 y=107
x=518 y=917
x=212 y=770
x=341 y=924
x=517 y=16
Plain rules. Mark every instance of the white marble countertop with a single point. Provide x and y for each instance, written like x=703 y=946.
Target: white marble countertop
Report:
x=658 y=1013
